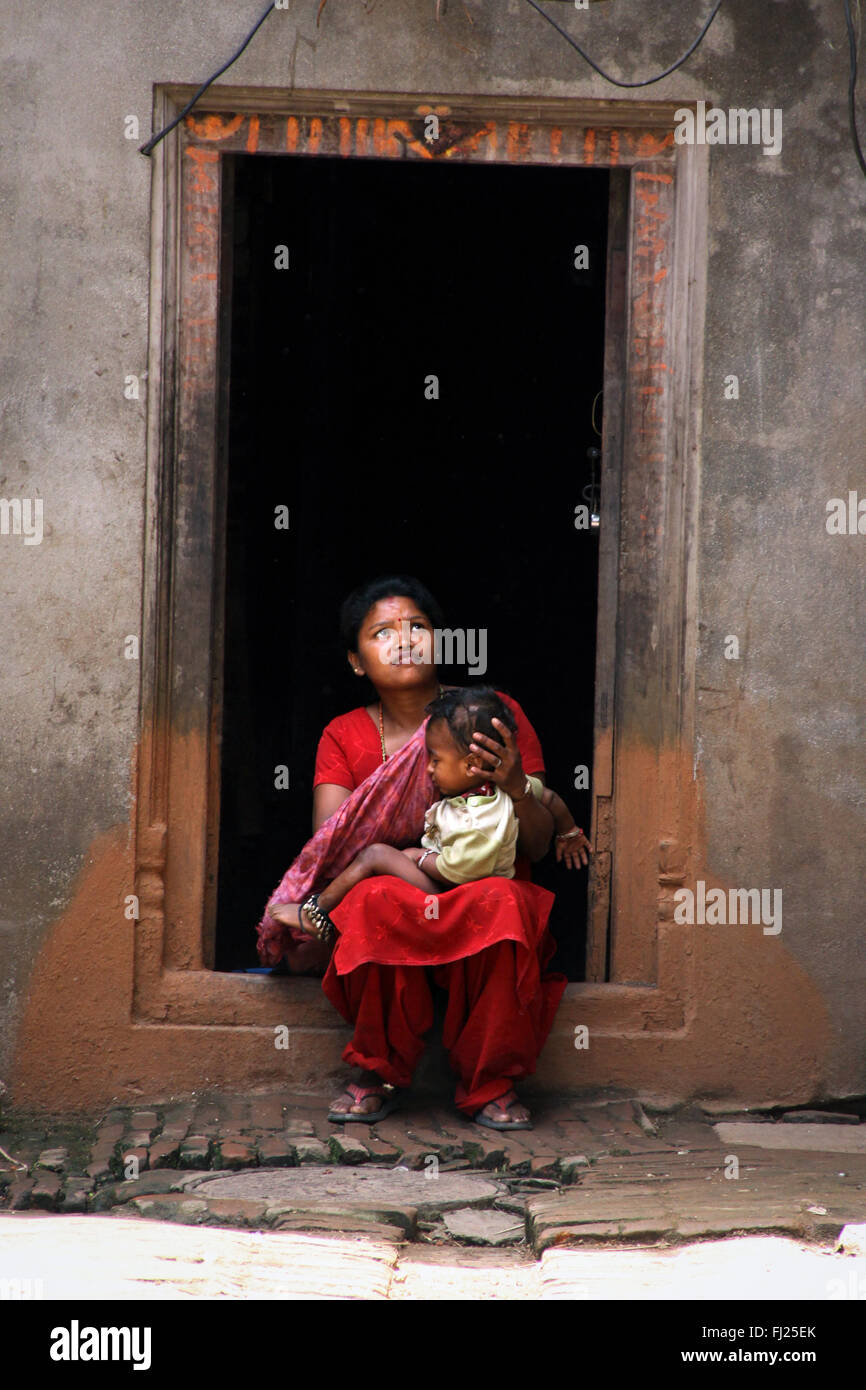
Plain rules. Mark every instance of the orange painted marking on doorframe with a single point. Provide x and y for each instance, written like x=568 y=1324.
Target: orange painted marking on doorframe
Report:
x=555 y=141
x=647 y=244
x=362 y=130
x=517 y=142
x=314 y=139
x=649 y=200
x=649 y=144
x=386 y=142
x=653 y=178
x=212 y=126
x=644 y=144
x=203 y=182
x=204 y=231
x=253 y=135
x=471 y=142
x=205 y=275
x=614 y=147
x=292 y=133
x=201 y=156
x=345 y=127
x=589 y=147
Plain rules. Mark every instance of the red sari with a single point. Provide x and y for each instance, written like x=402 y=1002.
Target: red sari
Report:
x=485 y=942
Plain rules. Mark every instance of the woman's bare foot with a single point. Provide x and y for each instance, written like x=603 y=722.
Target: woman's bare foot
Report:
x=346 y=1104
x=506 y=1110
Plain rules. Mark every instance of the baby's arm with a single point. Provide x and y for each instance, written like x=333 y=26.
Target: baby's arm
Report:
x=427 y=860
x=573 y=848
x=563 y=820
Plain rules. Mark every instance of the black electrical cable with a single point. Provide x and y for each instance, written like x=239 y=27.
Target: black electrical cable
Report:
x=150 y=145
x=648 y=81
x=852 y=88
x=154 y=141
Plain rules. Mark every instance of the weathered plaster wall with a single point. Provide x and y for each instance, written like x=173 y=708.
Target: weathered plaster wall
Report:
x=780 y=770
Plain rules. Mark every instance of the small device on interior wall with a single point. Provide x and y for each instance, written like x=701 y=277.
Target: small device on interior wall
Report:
x=592 y=492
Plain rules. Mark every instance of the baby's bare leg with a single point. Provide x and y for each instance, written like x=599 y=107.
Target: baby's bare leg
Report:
x=287 y=913
x=375 y=859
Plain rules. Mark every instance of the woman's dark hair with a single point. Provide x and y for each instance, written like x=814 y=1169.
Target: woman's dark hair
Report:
x=356 y=607
x=471 y=710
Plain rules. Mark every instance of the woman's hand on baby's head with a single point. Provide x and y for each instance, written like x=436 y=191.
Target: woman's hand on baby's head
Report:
x=498 y=762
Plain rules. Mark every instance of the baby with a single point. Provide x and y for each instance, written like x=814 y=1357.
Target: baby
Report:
x=471 y=832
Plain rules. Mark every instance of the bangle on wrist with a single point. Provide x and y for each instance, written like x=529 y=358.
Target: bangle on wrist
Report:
x=527 y=788
x=570 y=834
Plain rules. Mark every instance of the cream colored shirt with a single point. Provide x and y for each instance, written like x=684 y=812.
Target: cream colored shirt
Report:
x=474 y=836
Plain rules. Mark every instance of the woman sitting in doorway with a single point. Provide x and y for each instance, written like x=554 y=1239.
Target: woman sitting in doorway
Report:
x=487 y=943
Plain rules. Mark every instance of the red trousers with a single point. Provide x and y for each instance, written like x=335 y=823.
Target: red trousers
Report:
x=490 y=1040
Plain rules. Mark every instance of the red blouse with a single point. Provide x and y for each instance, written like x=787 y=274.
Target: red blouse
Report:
x=350 y=748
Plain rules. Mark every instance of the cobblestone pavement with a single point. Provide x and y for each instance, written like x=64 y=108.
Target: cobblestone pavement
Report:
x=593 y=1170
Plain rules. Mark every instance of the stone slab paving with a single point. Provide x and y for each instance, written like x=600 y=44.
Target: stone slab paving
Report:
x=464 y=1272
x=695 y=1204
x=485 y=1227
x=87 y=1257
x=817 y=1138
x=752 y=1268
x=83 y=1258
x=397 y=1199
x=668 y=1166
x=363 y=1186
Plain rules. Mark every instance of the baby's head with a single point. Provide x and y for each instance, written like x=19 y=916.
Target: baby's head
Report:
x=455 y=717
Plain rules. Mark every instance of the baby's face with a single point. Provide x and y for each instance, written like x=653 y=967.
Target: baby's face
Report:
x=446 y=764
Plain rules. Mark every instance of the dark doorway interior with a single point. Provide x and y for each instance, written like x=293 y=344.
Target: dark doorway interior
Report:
x=400 y=270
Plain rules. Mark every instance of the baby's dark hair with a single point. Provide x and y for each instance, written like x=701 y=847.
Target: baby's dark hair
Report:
x=469 y=710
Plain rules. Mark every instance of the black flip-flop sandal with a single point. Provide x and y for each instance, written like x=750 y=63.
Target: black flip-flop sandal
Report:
x=359 y=1093
x=482 y=1119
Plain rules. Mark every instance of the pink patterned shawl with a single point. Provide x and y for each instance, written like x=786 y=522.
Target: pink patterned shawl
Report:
x=387 y=808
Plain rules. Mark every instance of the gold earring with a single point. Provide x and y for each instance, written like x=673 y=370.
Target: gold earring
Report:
x=357 y=670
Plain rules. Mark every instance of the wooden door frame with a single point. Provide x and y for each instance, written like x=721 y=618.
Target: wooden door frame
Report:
x=645 y=661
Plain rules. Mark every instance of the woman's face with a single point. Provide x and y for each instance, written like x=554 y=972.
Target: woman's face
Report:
x=395 y=645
